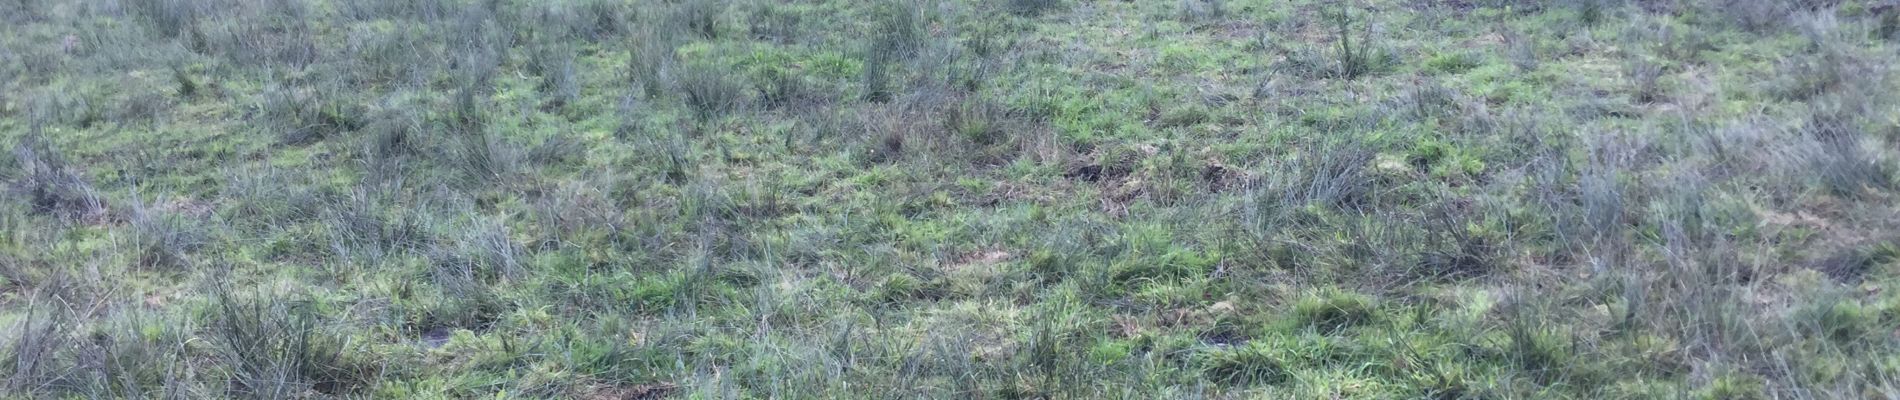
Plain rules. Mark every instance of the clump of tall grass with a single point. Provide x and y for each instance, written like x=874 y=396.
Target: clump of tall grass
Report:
x=555 y=65
x=418 y=10
x=32 y=353
x=162 y=239
x=699 y=17
x=402 y=55
x=167 y=18
x=899 y=37
x=1844 y=167
x=1354 y=52
x=482 y=253
x=1031 y=8
x=52 y=350
x=708 y=91
x=876 y=77
x=1334 y=177
x=1754 y=15
x=304 y=115
x=651 y=62
x=774 y=22
x=1645 y=78
x=365 y=227
x=475 y=150
x=49 y=184
x=1201 y=10
x=274 y=348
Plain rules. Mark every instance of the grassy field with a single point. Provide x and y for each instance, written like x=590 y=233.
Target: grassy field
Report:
x=963 y=199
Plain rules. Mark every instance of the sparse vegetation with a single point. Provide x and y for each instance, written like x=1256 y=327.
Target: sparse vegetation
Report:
x=1028 y=199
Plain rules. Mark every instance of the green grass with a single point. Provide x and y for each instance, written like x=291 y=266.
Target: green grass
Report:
x=948 y=199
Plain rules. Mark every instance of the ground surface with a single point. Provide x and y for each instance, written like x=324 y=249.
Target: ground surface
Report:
x=607 y=199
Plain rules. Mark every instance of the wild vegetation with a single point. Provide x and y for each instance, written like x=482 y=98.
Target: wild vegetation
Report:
x=995 y=199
